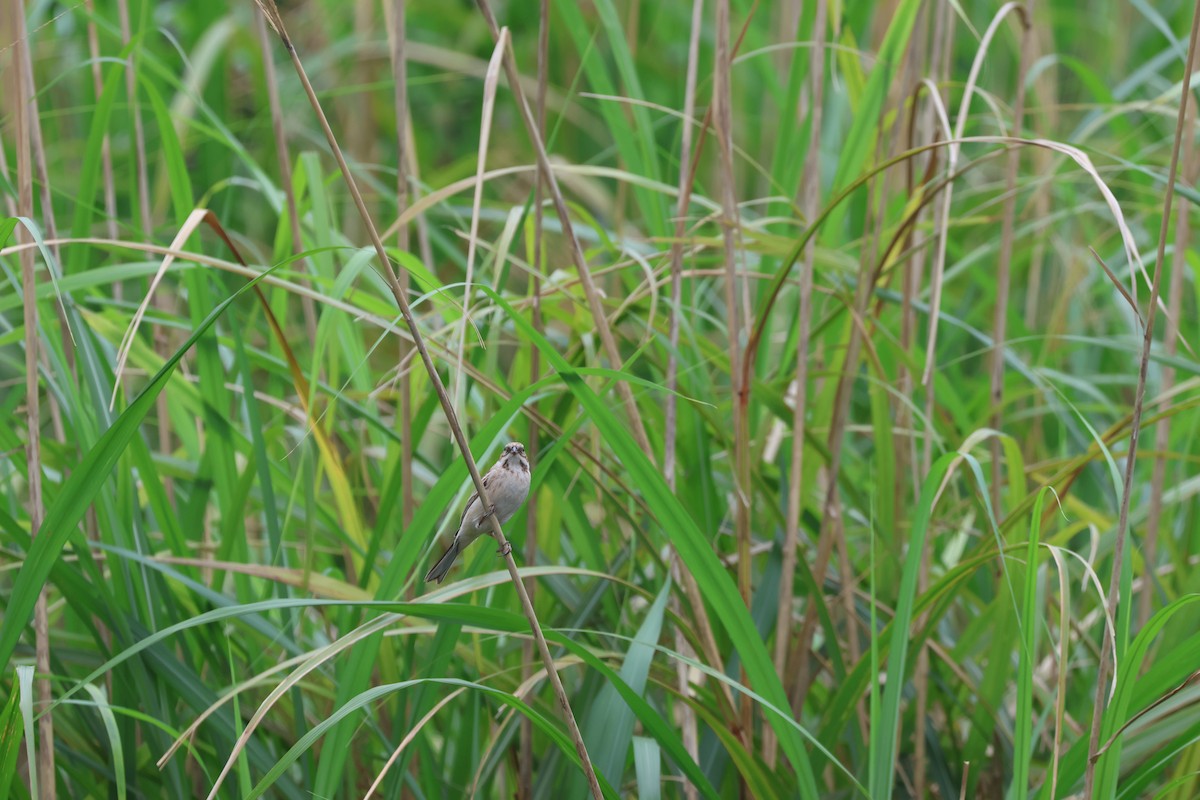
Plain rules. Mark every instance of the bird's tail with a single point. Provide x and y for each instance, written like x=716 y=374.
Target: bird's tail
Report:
x=444 y=563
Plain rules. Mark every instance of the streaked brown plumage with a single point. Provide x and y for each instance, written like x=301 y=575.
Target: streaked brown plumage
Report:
x=507 y=485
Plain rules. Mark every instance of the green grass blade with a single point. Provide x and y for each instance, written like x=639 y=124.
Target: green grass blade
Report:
x=25 y=684
x=11 y=728
x=648 y=765
x=114 y=737
x=885 y=728
x=608 y=728
x=1030 y=623
x=82 y=487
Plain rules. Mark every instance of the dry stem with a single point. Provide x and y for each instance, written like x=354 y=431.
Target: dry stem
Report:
x=525 y=769
x=19 y=91
x=810 y=196
x=687 y=717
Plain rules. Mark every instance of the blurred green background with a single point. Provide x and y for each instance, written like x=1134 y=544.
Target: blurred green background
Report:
x=901 y=590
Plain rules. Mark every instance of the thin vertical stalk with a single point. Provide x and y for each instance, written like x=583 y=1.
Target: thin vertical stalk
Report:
x=161 y=340
x=357 y=106
x=38 y=150
x=943 y=42
x=1061 y=668
x=398 y=34
x=943 y=52
x=937 y=276
x=906 y=456
x=491 y=80
x=407 y=165
x=424 y=248
x=525 y=761
x=1162 y=429
x=404 y=378
x=1004 y=258
x=37 y=146
x=393 y=282
x=723 y=121
x=106 y=167
x=139 y=134
x=830 y=525
x=671 y=410
x=686 y=716
x=944 y=45
x=921 y=680
x=1042 y=123
x=20 y=84
x=9 y=202
x=1000 y=312
x=284 y=159
x=1114 y=582
x=905 y=420
x=918 y=119
x=942 y=39
x=587 y=283
x=809 y=198
x=925 y=119
x=691 y=589
x=110 y=224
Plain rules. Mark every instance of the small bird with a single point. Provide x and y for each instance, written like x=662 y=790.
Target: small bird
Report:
x=507 y=486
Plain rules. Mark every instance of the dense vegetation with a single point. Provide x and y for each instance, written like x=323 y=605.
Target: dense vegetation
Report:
x=837 y=487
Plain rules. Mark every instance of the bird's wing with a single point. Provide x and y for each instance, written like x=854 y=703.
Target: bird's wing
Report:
x=474 y=496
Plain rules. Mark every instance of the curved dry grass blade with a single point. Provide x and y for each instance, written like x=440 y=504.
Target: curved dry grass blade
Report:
x=440 y=195
x=1063 y=665
x=1116 y=282
x=193 y=221
x=943 y=221
x=312 y=661
x=363 y=699
x=491 y=81
x=408 y=737
x=258 y=680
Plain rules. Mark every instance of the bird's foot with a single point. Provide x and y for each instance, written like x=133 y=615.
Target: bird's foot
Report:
x=505 y=550
x=491 y=510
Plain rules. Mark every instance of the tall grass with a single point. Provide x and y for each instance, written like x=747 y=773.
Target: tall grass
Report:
x=832 y=339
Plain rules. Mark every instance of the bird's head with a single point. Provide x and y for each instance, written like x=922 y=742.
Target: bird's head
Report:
x=515 y=451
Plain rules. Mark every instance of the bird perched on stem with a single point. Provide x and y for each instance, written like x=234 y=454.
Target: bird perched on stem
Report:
x=507 y=486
